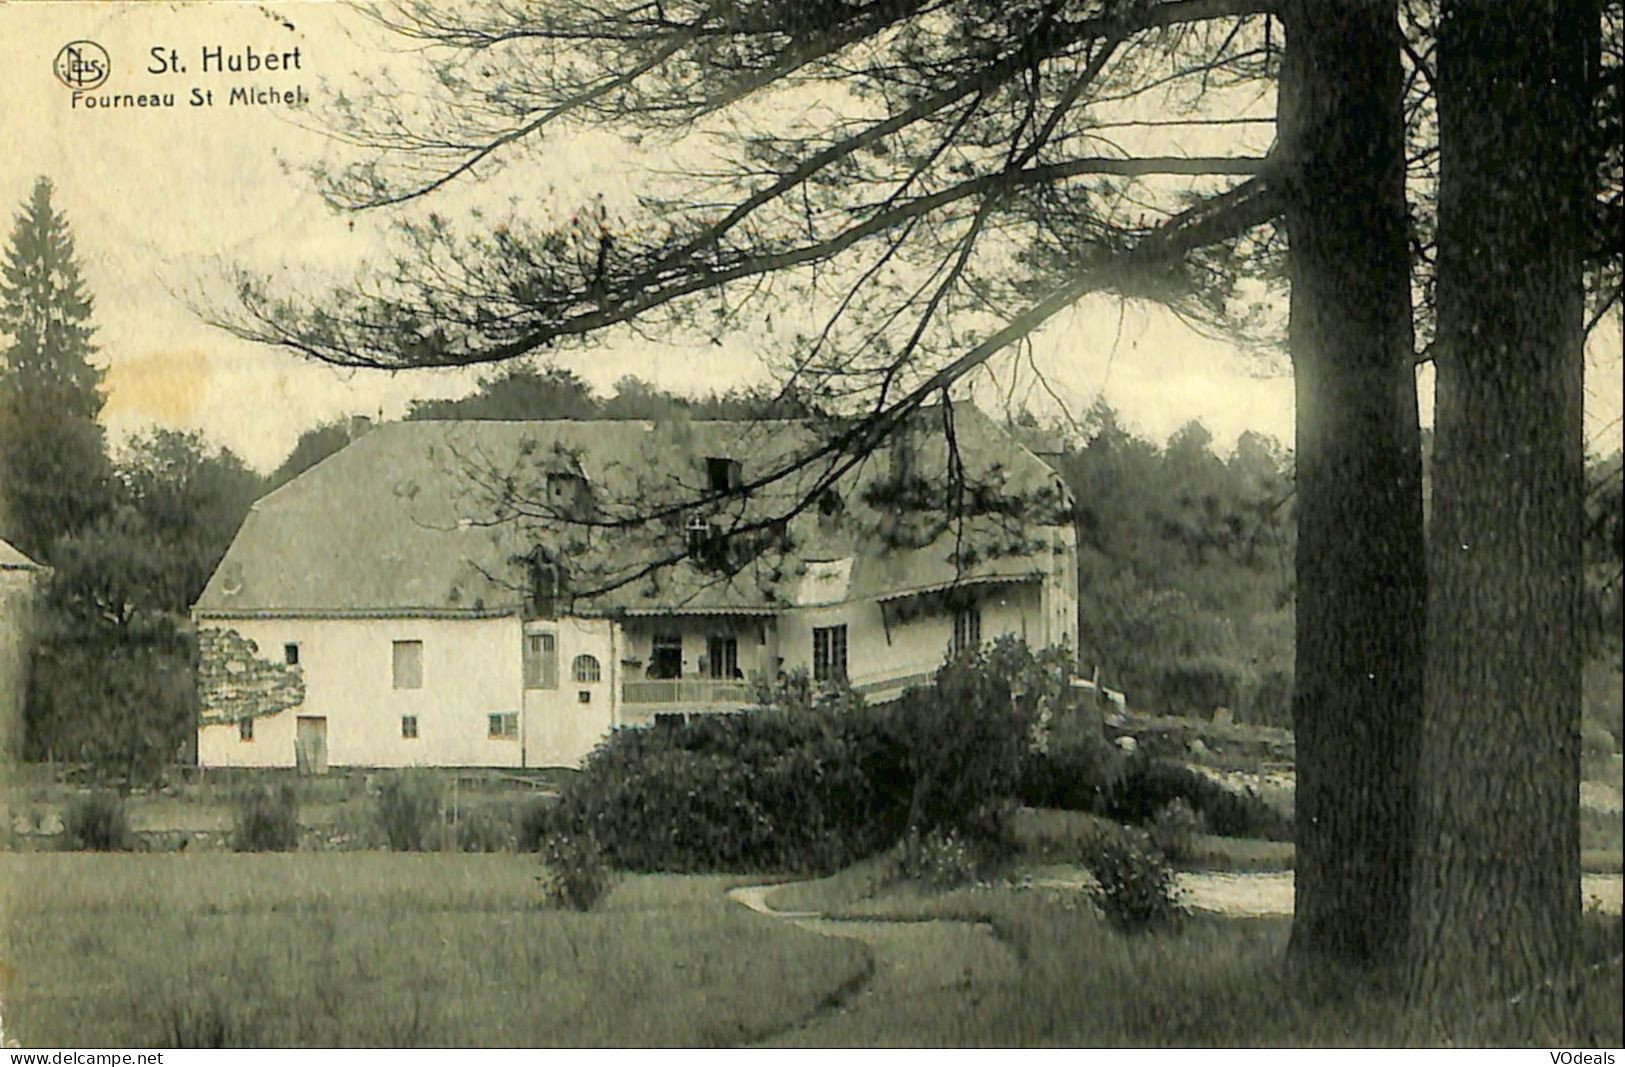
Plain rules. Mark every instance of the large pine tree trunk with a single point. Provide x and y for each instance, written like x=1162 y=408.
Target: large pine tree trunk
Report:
x=1497 y=898
x=1361 y=596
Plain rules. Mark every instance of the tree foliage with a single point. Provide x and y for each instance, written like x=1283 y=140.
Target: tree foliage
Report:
x=952 y=167
x=1186 y=564
x=54 y=473
x=112 y=680
x=551 y=392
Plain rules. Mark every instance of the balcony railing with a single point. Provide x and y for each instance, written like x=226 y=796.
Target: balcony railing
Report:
x=701 y=691
x=894 y=686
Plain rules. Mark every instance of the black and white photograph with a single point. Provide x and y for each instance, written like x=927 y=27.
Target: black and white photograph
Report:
x=876 y=524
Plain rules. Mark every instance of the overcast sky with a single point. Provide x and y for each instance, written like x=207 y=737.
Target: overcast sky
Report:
x=161 y=199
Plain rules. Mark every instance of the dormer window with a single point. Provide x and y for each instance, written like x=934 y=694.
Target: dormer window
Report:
x=724 y=475
x=707 y=544
x=700 y=534
x=568 y=494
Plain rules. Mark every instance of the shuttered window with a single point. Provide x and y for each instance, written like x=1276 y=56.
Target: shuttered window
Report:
x=967 y=630
x=542 y=660
x=829 y=653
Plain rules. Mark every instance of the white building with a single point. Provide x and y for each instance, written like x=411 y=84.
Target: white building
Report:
x=19 y=585
x=475 y=593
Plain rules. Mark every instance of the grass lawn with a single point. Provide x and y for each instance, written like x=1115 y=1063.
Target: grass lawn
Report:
x=1211 y=982
x=835 y=892
x=375 y=948
x=1065 y=836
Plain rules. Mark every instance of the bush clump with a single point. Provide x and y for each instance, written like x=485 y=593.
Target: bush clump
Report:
x=534 y=820
x=267 y=819
x=1193 y=687
x=774 y=790
x=486 y=829
x=1074 y=774
x=577 y=875
x=1151 y=783
x=96 y=822
x=819 y=780
x=966 y=739
x=1134 y=886
x=1174 y=828
x=940 y=859
x=409 y=804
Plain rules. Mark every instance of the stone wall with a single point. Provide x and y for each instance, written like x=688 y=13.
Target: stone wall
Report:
x=235 y=683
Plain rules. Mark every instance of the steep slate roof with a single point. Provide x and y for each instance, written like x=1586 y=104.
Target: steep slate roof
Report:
x=397 y=522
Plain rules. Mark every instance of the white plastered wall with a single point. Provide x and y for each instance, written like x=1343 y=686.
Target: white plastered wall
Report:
x=471 y=669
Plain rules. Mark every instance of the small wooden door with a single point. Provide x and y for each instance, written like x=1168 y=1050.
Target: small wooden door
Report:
x=310 y=744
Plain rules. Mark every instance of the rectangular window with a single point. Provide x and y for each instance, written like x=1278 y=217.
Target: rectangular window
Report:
x=290 y=653
x=408 y=664
x=409 y=726
x=829 y=653
x=666 y=656
x=542 y=660
x=723 y=655
x=723 y=474
x=245 y=728
x=502 y=726
x=967 y=629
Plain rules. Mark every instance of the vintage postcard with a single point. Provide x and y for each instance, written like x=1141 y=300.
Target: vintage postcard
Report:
x=794 y=524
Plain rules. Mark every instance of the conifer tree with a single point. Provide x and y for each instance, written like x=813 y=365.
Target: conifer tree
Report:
x=54 y=471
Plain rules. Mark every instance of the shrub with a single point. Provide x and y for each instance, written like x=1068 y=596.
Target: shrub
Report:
x=1270 y=703
x=352 y=827
x=777 y=790
x=967 y=738
x=267 y=820
x=1149 y=783
x=96 y=822
x=1174 y=828
x=1194 y=687
x=577 y=875
x=409 y=809
x=534 y=822
x=1134 y=886
x=940 y=859
x=1076 y=774
x=819 y=780
x=486 y=829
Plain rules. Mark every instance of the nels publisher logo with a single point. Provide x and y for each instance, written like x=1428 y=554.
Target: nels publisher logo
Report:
x=82 y=65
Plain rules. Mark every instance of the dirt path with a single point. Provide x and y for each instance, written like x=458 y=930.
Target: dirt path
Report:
x=927 y=976
x=1271 y=894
